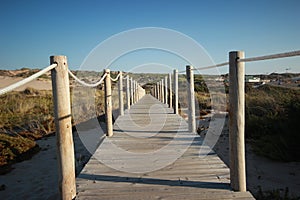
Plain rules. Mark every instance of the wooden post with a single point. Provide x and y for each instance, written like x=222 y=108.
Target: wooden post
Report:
x=237 y=121
x=158 y=90
x=134 y=91
x=127 y=92
x=108 y=104
x=170 y=91
x=64 y=138
x=137 y=91
x=191 y=99
x=154 y=91
x=162 y=91
x=166 y=89
x=175 y=91
x=131 y=91
x=121 y=104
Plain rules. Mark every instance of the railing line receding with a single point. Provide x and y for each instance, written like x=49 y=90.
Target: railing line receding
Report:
x=252 y=59
x=272 y=56
x=26 y=80
x=87 y=84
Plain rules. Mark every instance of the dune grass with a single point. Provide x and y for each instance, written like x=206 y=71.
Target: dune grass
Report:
x=28 y=115
x=272 y=118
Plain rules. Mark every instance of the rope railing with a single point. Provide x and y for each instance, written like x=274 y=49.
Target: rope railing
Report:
x=252 y=59
x=236 y=97
x=212 y=66
x=272 y=56
x=26 y=80
x=87 y=84
x=115 y=79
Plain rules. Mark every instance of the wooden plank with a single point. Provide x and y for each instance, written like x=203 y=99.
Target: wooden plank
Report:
x=188 y=177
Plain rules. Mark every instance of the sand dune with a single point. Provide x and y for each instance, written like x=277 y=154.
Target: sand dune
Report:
x=36 y=84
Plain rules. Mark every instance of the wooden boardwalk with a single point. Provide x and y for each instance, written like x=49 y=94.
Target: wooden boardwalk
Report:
x=152 y=156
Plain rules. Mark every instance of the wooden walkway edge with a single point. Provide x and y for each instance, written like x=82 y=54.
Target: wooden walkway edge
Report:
x=143 y=160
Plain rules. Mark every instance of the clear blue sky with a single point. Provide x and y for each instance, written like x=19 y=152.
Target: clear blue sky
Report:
x=31 y=30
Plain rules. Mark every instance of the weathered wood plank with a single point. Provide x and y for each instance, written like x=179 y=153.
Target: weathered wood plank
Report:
x=147 y=127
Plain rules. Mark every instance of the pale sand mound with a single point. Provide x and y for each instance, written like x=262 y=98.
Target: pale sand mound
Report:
x=36 y=84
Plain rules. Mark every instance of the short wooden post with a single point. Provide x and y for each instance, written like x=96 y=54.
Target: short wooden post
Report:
x=237 y=121
x=170 y=91
x=127 y=92
x=108 y=104
x=121 y=103
x=64 y=138
x=191 y=99
x=175 y=91
x=166 y=90
x=154 y=91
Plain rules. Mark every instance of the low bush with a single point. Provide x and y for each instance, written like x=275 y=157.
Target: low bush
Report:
x=272 y=117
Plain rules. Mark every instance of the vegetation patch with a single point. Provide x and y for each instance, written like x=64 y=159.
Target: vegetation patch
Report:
x=272 y=117
x=14 y=148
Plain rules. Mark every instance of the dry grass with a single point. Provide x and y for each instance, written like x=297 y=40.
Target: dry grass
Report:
x=28 y=115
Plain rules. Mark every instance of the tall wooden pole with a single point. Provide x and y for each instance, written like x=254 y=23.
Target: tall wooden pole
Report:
x=121 y=103
x=64 y=138
x=158 y=90
x=162 y=91
x=131 y=91
x=170 y=91
x=191 y=99
x=127 y=93
x=237 y=121
x=108 y=104
x=137 y=91
x=134 y=91
x=175 y=91
x=166 y=90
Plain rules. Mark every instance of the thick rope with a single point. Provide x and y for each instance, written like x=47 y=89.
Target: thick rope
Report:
x=87 y=84
x=115 y=79
x=273 y=56
x=212 y=66
x=26 y=80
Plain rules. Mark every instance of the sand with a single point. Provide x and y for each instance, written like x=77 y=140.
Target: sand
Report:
x=37 y=178
x=36 y=84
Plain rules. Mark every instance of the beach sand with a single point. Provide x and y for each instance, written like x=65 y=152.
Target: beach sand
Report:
x=37 y=178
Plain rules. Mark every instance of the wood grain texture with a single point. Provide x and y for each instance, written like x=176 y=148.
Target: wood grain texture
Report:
x=62 y=114
x=237 y=121
x=190 y=176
